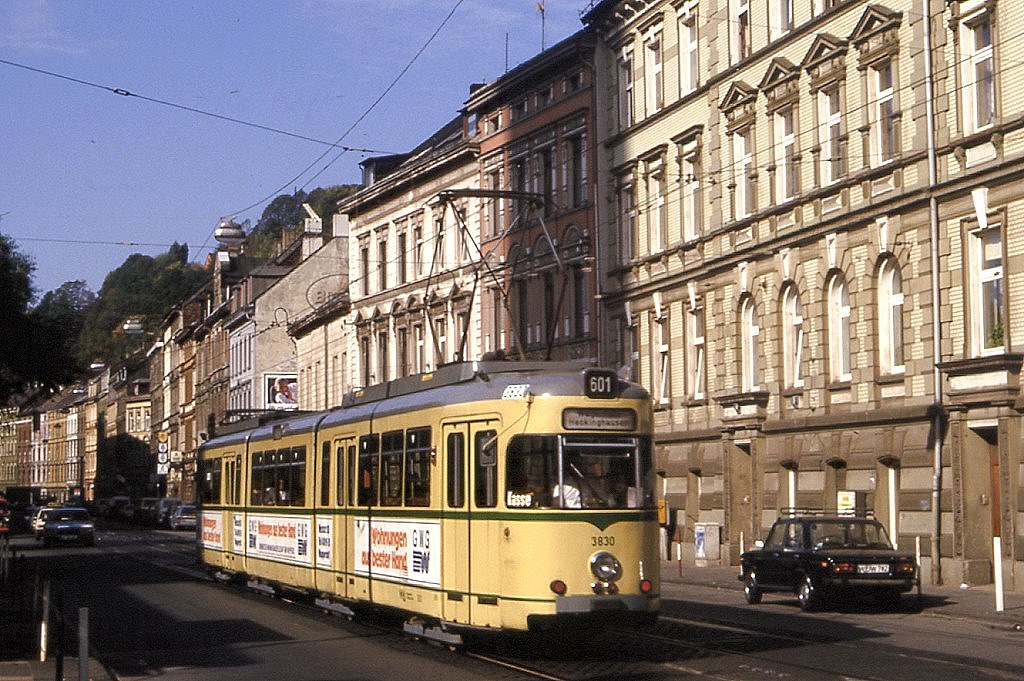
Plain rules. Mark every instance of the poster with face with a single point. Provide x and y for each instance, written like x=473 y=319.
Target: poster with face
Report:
x=282 y=391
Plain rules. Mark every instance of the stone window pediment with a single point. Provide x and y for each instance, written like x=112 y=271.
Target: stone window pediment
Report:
x=876 y=33
x=825 y=61
x=738 y=102
x=781 y=82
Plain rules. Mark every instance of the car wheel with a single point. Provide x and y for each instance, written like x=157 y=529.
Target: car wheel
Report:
x=807 y=595
x=750 y=590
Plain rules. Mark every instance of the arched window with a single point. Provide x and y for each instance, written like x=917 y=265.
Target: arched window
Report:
x=839 y=329
x=890 y=318
x=750 y=345
x=792 y=337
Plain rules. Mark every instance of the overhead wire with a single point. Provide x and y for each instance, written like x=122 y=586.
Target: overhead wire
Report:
x=191 y=109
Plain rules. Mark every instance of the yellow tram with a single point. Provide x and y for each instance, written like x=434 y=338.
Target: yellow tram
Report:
x=499 y=495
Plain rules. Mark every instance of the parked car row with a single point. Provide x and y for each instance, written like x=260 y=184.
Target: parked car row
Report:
x=64 y=525
x=151 y=511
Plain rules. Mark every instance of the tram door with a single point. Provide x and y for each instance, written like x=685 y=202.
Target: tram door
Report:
x=469 y=563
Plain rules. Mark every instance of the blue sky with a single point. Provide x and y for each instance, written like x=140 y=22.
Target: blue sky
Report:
x=84 y=170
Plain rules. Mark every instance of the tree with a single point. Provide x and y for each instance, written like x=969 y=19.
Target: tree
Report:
x=15 y=326
x=143 y=287
x=286 y=211
x=57 y=323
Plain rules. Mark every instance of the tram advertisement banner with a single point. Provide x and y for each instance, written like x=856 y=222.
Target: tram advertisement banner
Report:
x=324 y=541
x=280 y=538
x=212 y=530
x=238 y=533
x=408 y=550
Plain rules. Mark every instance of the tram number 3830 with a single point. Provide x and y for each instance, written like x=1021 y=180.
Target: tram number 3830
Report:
x=602 y=540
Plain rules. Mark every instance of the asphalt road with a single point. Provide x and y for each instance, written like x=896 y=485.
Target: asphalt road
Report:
x=153 y=614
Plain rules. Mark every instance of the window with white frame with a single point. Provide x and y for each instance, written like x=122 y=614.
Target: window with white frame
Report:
x=839 y=329
x=382 y=261
x=440 y=340
x=519 y=181
x=689 y=50
x=792 y=337
x=743 y=172
x=695 y=361
x=495 y=209
x=750 y=346
x=627 y=220
x=546 y=178
x=821 y=6
x=654 y=207
x=419 y=262
x=780 y=18
x=440 y=243
x=364 y=265
x=631 y=347
x=575 y=172
x=689 y=180
x=383 y=360
x=785 y=153
x=978 y=71
x=882 y=111
x=989 y=303
x=420 y=364
x=890 y=317
x=830 y=121
x=660 y=390
x=403 y=258
x=625 y=89
x=654 y=77
x=739 y=23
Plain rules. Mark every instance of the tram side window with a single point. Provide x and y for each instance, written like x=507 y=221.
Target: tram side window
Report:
x=279 y=477
x=531 y=471
x=417 y=467
x=230 y=480
x=346 y=457
x=485 y=448
x=353 y=462
x=209 y=481
x=325 y=475
x=391 y=468
x=369 y=464
x=456 y=449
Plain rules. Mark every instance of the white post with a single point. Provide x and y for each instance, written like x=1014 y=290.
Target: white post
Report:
x=997 y=566
x=44 y=616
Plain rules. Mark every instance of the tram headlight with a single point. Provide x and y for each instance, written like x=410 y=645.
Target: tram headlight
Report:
x=605 y=567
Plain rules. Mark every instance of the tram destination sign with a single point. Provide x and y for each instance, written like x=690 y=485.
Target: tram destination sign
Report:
x=598 y=419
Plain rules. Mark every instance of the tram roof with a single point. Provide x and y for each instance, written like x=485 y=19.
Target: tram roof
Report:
x=451 y=384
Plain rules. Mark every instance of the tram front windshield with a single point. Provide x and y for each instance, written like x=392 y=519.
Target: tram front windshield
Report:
x=579 y=471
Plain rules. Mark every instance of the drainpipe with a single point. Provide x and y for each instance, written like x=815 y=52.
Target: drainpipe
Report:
x=933 y=215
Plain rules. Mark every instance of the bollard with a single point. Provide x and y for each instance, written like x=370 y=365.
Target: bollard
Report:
x=997 y=564
x=83 y=644
x=59 y=659
x=43 y=616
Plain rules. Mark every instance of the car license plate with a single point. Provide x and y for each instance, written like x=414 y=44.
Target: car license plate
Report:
x=873 y=569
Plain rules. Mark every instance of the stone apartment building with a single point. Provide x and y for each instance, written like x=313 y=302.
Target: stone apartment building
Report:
x=412 y=260
x=534 y=127
x=815 y=263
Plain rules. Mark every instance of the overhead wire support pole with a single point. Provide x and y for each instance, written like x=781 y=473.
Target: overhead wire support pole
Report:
x=531 y=199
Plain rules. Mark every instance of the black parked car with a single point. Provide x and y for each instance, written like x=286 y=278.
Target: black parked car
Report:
x=819 y=557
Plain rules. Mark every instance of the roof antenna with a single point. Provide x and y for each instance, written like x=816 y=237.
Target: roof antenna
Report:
x=506 y=51
x=540 y=8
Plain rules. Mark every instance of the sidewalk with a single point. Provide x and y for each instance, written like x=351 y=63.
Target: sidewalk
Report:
x=975 y=603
